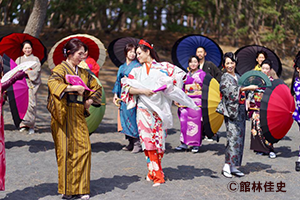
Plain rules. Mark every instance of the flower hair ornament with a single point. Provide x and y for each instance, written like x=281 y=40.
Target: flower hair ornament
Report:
x=65 y=52
x=143 y=42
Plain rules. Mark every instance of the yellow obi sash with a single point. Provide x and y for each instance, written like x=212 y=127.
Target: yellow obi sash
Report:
x=193 y=89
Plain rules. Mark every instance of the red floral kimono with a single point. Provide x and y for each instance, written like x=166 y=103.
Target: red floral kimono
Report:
x=2 y=145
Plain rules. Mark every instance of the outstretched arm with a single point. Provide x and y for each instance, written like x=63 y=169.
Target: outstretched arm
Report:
x=17 y=76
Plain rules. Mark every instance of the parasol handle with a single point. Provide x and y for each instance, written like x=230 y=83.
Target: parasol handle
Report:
x=117 y=102
x=180 y=106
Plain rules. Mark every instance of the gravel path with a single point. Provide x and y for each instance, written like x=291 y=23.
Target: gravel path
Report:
x=32 y=170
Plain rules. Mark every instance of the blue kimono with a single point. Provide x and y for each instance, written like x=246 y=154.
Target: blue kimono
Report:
x=127 y=117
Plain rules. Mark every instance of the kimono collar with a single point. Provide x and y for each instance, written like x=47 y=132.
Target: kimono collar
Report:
x=154 y=61
x=233 y=77
x=257 y=67
x=70 y=68
x=27 y=56
x=201 y=65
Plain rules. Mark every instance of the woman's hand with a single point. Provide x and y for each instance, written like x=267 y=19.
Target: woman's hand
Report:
x=147 y=92
x=88 y=103
x=250 y=87
x=115 y=99
x=78 y=88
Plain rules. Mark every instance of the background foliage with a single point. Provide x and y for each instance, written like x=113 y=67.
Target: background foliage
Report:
x=273 y=23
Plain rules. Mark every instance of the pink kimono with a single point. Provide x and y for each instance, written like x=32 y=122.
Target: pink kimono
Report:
x=2 y=145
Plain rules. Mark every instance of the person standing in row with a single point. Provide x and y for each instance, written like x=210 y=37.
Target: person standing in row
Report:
x=258 y=142
x=190 y=119
x=33 y=80
x=260 y=57
x=208 y=66
x=232 y=106
x=92 y=64
x=127 y=117
x=68 y=105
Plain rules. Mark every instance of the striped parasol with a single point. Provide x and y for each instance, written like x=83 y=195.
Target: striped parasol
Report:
x=96 y=49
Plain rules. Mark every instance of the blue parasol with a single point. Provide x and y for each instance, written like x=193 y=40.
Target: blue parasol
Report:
x=186 y=46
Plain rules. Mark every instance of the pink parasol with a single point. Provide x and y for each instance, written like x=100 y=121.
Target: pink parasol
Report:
x=18 y=97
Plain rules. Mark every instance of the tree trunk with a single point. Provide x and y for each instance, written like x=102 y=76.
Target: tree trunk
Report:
x=37 y=18
x=7 y=11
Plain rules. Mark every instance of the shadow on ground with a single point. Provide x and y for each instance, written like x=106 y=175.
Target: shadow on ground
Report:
x=219 y=149
x=254 y=167
x=106 y=128
x=35 y=146
x=106 y=147
x=184 y=172
x=286 y=152
x=99 y=186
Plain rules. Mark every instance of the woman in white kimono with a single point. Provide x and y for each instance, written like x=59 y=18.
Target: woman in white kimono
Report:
x=33 y=80
x=153 y=108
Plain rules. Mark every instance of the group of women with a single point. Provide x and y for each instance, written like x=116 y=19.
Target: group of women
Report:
x=144 y=91
x=235 y=103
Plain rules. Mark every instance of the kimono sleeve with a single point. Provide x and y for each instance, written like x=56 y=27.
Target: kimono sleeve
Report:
x=117 y=86
x=97 y=95
x=35 y=73
x=56 y=82
x=57 y=103
x=126 y=97
x=176 y=73
x=230 y=97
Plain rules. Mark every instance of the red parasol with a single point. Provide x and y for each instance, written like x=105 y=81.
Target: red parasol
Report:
x=11 y=45
x=276 y=110
x=96 y=49
x=17 y=94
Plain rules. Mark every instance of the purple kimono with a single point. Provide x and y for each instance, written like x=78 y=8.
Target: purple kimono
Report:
x=191 y=120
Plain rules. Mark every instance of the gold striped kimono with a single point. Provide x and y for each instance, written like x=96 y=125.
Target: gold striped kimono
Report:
x=69 y=129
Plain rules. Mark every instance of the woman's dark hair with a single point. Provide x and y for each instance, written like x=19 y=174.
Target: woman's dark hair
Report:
x=268 y=62
x=153 y=53
x=296 y=73
x=193 y=56
x=129 y=47
x=72 y=46
x=86 y=48
x=229 y=55
x=262 y=52
x=26 y=42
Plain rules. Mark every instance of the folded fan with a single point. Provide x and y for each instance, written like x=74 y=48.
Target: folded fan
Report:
x=76 y=80
x=160 y=88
